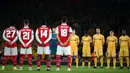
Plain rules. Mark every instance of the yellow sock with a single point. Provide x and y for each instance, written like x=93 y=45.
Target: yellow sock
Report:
x=114 y=62
x=77 y=62
x=88 y=64
x=95 y=61
x=83 y=64
x=127 y=61
x=121 y=61
x=101 y=61
x=108 y=62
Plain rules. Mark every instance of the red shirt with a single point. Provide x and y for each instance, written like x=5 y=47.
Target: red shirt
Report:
x=10 y=34
x=63 y=32
x=43 y=34
x=26 y=36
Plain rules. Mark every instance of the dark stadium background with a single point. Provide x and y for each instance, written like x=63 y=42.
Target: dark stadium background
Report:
x=83 y=15
x=88 y=14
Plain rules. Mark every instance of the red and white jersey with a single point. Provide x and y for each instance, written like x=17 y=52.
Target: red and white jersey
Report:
x=43 y=35
x=26 y=36
x=10 y=35
x=63 y=32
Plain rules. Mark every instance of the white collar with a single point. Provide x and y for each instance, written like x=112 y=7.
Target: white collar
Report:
x=26 y=27
x=11 y=27
x=43 y=25
x=63 y=24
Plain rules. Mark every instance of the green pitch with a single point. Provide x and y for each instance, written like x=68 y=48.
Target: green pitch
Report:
x=63 y=69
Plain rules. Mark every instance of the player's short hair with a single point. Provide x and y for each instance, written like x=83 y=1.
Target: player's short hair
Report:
x=26 y=21
x=112 y=30
x=64 y=19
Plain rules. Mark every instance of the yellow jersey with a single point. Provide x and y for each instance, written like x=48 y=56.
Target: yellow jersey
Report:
x=111 y=42
x=74 y=40
x=86 y=40
x=98 y=41
x=124 y=42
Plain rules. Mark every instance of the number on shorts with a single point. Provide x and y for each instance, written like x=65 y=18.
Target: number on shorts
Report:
x=26 y=35
x=64 y=32
x=43 y=33
x=8 y=33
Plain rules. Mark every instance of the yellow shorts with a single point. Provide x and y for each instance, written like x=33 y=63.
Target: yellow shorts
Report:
x=74 y=50
x=111 y=53
x=86 y=54
x=124 y=52
x=98 y=52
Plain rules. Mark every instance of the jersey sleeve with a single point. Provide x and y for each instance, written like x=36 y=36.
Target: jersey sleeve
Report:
x=119 y=40
x=103 y=39
x=78 y=39
x=20 y=39
x=49 y=38
x=82 y=39
x=4 y=37
x=128 y=38
x=37 y=38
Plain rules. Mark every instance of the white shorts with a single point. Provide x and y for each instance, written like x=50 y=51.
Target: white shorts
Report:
x=63 y=50
x=10 y=51
x=43 y=50
x=26 y=50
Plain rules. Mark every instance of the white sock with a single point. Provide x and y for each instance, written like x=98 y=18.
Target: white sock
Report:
x=14 y=67
x=21 y=67
x=38 y=67
x=3 y=66
x=48 y=68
